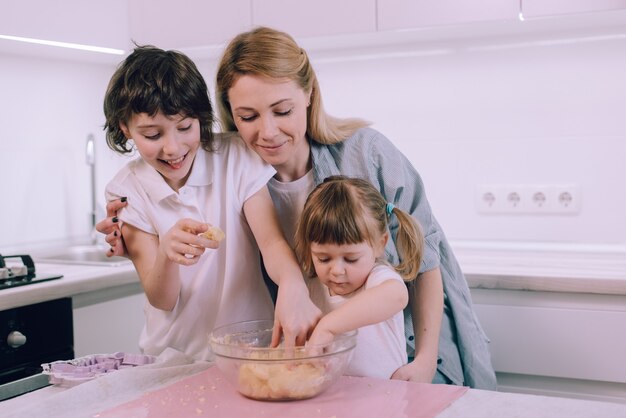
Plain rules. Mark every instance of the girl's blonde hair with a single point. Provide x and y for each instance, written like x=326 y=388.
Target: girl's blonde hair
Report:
x=272 y=54
x=344 y=210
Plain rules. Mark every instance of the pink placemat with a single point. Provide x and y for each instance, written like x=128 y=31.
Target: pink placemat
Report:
x=209 y=394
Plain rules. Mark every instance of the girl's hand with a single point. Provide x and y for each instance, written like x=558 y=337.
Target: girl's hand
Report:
x=110 y=226
x=320 y=336
x=182 y=244
x=416 y=371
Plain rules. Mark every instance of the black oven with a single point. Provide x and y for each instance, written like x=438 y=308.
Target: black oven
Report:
x=35 y=334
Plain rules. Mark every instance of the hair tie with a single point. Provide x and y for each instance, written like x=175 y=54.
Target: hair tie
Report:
x=389 y=208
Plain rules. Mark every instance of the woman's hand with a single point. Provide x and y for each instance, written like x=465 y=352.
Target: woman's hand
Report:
x=182 y=244
x=295 y=315
x=110 y=226
x=418 y=370
x=426 y=302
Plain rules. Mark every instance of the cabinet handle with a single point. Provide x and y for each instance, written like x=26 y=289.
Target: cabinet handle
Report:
x=16 y=339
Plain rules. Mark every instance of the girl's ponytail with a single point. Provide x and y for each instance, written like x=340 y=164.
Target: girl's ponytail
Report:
x=409 y=243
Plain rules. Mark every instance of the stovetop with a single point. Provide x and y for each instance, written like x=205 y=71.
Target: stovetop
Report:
x=19 y=270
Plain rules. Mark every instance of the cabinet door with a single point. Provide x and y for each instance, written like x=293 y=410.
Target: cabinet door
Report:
x=191 y=23
x=95 y=23
x=539 y=8
x=407 y=14
x=316 y=18
x=109 y=326
x=556 y=342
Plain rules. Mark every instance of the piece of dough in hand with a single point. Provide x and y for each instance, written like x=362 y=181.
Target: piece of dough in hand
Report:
x=214 y=233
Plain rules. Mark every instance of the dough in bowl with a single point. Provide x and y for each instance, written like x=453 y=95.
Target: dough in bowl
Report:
x=281 y=381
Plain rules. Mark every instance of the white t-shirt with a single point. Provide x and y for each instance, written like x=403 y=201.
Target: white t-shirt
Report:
x=289 y=199
x=381 y=348
x=225 y=285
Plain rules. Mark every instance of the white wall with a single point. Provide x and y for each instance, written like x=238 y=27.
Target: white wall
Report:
x=47 y=109
x=524 y=114
x=464 y=114
x=495 y=111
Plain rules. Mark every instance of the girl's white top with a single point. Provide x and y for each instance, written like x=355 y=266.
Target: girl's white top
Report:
x=226 y=285
x=381 y=347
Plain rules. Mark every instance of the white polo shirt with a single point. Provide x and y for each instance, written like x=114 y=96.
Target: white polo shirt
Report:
x=380 y=348
x=225 y=285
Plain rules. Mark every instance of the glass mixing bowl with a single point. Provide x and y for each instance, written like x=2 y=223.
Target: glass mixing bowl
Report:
x=243 y=354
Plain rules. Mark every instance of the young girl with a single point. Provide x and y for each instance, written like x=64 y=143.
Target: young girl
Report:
x=186 y=179
x=341 y=240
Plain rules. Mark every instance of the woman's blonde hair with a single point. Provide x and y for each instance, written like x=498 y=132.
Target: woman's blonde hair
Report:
x=344 y=210
x=272 y=54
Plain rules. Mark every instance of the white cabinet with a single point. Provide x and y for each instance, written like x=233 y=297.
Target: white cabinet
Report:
x=316 y=18
x=408 y=14
x=570 y=344
x=540 y=8
x=108 y=321
x=95 y=23
x=200 y=27
x=187 y=24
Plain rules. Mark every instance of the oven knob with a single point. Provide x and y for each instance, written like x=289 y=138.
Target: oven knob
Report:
x=16 y=339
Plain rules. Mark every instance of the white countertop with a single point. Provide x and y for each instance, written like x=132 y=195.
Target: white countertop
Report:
x=543 y=267
x=517 y=268
x=90 y=398
x=76 y=279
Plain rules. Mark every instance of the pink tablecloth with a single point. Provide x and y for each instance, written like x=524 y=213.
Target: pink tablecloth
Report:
x=208 y=394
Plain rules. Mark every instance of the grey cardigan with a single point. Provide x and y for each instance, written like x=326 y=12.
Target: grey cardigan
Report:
x=464 y=356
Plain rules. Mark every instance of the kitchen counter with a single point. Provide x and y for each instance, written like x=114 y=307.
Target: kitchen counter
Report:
x=518 y=282
x=571 y=268
x=535 y=301
x=77 y=279
x=189 y=389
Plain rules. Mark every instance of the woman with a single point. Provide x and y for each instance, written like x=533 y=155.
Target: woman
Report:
x=268 y=92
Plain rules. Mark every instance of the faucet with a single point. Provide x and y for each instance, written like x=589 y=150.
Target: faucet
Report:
x=90 y=154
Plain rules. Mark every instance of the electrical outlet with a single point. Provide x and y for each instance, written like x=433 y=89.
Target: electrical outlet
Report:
x=567 y=199
x=513 y=199
x=487 y=199
x=522 y=199
x=540 y=198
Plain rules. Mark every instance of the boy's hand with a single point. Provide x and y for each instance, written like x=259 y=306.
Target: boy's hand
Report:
x=182 y=244
x=110 y=226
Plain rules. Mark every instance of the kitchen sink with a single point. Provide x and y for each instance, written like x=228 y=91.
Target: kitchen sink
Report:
x=81 y=254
